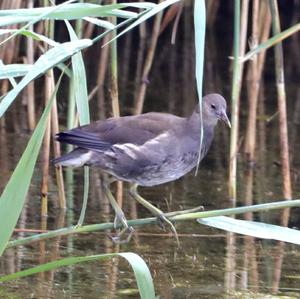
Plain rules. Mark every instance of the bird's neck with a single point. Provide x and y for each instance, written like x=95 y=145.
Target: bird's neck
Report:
x=195 y=121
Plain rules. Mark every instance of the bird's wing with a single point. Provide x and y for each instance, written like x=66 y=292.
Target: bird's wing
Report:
x=101 y=135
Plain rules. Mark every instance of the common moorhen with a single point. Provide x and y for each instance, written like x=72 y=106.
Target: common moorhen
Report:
x=147 y=149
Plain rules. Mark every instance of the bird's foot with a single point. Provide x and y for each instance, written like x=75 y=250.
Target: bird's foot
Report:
x=118 y=237
x=121 y=222
x=162 y=220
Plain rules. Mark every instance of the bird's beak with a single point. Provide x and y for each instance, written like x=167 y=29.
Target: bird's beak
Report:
x=225 y=119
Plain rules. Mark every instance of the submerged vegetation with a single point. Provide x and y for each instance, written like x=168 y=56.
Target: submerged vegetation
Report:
x=51 y=46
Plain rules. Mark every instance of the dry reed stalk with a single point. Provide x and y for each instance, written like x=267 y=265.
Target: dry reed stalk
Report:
x=114 y=93
x=57 y=153
x=281 y=97
x=250 y=263
x=188 y=64
x=212 y=9
x=46 y=147
x=261 y=23
x=148 y=63
x=230 y=262
x=49 y=88
x=239 y=48
x=102 y=69
x=139 y=61
x=88 y=31
x=283 y=135
x=30 y=86
x=125 y=65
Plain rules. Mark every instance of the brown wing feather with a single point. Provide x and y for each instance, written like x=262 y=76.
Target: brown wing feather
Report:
x=137 y=129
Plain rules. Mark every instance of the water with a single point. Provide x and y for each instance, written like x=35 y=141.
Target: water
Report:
x=209 y=263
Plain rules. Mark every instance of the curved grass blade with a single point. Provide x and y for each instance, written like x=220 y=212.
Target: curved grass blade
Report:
x=30 y=21
x=46 y=61
x=71 y=11
x=14 y=70
x=141 y=271
x=14 y=194
x=200 y=26
x=82 y=103
x=271 y=42
x=100 y=23
x=29 y=33
x=253 y=228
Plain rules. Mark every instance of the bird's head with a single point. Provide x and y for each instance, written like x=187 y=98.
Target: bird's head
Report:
x=214 y=109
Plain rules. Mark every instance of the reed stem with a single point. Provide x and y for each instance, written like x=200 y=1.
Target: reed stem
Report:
x=281 y=96
x=148 y=63
x=261 y=22
x=30 y=86
x=141 y=222
x=235 y=95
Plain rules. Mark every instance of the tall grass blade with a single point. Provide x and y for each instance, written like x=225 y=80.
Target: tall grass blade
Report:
x=82 y=103
x=199 y=25
x=271 y=41
x=14 y=194
x=141 y=271
x=79 y=81
x=254 y=229
x=46 y=61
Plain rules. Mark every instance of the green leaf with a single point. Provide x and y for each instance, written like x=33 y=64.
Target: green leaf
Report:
x=79 y=82
x=141 y=271
x=14 y=70
x=46 y=61
x=14 y=194
x=29 y=33
x=142 y=274
x=101 y=23
x=271 y=42
x=70 y=11
x=199 y=25
x=254 y=229
x=82 y=104
x=30 y=21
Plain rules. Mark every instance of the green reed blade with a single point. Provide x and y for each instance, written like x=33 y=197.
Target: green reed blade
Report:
x=253 y=228
x=14 y=194
x=140 y=269
x=46 y=61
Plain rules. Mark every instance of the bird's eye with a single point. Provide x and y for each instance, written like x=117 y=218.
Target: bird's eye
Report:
x=213 y=106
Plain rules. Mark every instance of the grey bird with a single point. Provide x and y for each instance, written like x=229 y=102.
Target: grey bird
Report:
x=145 y=150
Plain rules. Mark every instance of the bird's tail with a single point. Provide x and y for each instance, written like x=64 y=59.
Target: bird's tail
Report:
x=76 y=158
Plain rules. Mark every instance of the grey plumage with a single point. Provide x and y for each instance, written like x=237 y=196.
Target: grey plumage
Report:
x=147 y=149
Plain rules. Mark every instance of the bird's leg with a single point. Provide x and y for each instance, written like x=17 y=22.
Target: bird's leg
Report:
x=120 y=219
x=154 y=210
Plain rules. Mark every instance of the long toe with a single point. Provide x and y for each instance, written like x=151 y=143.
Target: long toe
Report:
x=162 y=220
x=122 y=237
x=123 y=232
